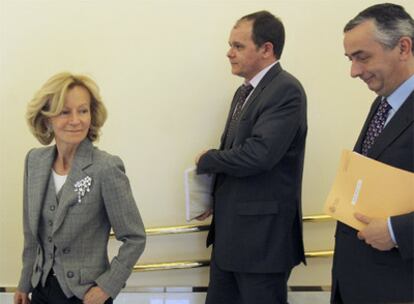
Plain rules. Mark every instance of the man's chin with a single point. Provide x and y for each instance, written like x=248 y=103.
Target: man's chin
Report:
x=373 y=88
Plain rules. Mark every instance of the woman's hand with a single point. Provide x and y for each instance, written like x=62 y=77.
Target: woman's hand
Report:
x=95 y=295
x=21 y=298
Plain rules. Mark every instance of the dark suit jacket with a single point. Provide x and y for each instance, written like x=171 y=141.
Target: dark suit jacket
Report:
x=364 y=274
x=257 y=195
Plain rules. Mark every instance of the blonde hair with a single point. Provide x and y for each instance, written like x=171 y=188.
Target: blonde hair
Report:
x=50 y=100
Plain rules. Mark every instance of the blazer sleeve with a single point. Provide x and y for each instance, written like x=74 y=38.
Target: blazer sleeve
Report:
x=403 y=227
x=30 y=242
x=272 y=134
x=126 y=223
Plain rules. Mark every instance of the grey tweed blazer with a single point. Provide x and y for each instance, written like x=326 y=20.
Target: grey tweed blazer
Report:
x=81 y=230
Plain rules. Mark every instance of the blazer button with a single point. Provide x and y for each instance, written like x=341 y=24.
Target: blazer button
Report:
x=52 y=208
x=66 y=250
x=50 y=223
x=70 y=274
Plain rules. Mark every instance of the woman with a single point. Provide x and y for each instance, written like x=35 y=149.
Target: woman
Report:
x=73 y=195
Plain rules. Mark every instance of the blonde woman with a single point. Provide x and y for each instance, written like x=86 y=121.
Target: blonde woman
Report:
x=74 y=194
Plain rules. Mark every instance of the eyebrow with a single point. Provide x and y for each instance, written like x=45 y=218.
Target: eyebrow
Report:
x=354 y=53
x=235 y=43
x=81 y=105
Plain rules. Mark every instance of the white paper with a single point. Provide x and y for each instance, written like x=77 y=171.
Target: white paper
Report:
x=356 y=192
x=198 y=193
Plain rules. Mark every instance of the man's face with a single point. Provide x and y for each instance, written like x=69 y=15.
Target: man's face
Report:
x=245 y=57
x=377 y=66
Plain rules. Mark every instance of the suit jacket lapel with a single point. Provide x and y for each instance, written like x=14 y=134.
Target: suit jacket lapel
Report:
x=276 y=69
x=398 y=123
x=268 y=77
x=39 y=174
x=229 y=116
x=82 y=160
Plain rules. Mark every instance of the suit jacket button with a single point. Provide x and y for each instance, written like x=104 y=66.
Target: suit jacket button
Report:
x=70 y=274
x=52 y=208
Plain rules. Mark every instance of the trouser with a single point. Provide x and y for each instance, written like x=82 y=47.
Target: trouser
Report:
x=53 y=294
x=227 y=287
x=336 y=298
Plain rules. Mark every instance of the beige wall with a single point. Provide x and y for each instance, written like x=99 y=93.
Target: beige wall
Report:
x=165 y=79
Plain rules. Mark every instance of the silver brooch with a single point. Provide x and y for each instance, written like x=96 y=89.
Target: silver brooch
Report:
x=83 y=186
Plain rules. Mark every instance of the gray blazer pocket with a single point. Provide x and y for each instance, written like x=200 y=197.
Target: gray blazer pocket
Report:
x=81 y=208
x=88 y=275
x=258 y=208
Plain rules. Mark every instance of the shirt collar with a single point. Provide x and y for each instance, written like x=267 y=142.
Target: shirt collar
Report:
x=256 y=79
x=397 y=98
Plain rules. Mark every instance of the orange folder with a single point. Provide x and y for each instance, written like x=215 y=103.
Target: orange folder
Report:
x=369 y=187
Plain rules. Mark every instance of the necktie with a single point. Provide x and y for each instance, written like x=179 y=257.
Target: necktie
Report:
x=240 y=97
x=376 y=126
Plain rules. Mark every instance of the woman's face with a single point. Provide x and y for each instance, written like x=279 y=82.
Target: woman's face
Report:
x=71 y=126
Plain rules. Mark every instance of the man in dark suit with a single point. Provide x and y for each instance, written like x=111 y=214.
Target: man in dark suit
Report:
x=256 y=230
x=375 y=265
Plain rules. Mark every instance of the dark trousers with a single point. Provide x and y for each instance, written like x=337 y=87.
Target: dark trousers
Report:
x=53 y=294
x=336 y=297
x=246 y=288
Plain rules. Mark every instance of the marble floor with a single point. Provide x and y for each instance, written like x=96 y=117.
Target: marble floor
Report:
x=190 y=298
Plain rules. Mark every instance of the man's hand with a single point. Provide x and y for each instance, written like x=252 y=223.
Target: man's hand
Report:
x=21 y=298
x=204 y=215
x=375 y=233
x=95 y=295
x=197 y=159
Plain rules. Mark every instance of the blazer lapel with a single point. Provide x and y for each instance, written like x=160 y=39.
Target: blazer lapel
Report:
x=398 y=123
x=276 y=69
x=229 y=116
x=82 y=160
x=268 y=77
x=39 y=174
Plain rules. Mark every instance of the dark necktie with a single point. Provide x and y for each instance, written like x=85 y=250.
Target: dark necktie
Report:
x=376 y=126
x=240 y=97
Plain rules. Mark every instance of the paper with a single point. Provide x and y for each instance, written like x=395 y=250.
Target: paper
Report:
x=369 y=187
x=198 y=193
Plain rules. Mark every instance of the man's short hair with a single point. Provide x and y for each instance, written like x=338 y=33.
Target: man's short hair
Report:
x=391 y=21
x=267 y=28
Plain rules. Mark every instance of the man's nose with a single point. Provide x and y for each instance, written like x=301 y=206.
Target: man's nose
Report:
x=230 y=53
x=356 y=69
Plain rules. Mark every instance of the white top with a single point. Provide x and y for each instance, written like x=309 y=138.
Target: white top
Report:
x=59 y=180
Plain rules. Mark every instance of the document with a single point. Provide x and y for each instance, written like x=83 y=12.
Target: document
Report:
x=198 y=193
x=369 y=187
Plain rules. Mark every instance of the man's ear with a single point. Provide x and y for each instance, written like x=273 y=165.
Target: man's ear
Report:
x=268 y=50
x=405 y=45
